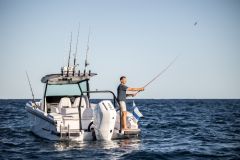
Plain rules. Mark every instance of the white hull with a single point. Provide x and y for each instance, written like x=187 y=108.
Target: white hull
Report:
x=44 y=126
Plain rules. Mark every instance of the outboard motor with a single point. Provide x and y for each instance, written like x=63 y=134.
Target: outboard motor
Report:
x=104 y=120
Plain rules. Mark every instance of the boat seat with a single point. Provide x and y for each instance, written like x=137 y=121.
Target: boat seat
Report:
x=71 y=116
x=74 y=108
x=87 y=113
x=54 y=109
x=66 y=111
x=84 y=102
x=64 y=103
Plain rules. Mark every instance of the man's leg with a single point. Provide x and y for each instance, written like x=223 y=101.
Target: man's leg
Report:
x=124 y=119
x=123 y=109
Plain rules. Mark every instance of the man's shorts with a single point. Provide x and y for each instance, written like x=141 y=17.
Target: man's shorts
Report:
x=123 y=107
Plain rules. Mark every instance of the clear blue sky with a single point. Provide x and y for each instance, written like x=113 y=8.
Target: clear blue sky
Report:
x=136 y=38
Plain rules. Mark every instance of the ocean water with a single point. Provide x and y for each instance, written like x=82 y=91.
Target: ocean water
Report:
x=171 y=129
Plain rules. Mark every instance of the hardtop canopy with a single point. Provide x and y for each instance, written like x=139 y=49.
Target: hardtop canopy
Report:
x=62 y=79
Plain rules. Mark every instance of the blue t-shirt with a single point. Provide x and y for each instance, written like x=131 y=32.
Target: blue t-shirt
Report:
x=121 y=92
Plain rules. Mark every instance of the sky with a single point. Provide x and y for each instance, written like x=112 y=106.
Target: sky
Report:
x=136 y=38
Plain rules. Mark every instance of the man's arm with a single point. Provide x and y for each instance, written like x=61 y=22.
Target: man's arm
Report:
x=135 y=89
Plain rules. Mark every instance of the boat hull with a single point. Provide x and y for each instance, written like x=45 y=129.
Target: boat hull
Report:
x=42 y=125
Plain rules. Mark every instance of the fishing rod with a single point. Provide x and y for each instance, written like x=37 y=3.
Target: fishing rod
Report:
x=33 y=99
x=75 y=55
x=69 y=55
x=70 y=50
x=87 y=51
x=159 y=74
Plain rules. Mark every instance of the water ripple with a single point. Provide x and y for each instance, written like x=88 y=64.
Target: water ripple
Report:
x=171 y=129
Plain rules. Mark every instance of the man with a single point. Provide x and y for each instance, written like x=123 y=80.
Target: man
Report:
x=121 y=97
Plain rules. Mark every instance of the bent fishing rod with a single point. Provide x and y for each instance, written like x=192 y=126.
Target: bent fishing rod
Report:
x=159 y=74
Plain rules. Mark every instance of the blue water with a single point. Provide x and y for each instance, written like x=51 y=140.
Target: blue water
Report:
x=171 y=129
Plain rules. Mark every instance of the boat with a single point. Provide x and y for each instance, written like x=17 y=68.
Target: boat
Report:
x=67 y=112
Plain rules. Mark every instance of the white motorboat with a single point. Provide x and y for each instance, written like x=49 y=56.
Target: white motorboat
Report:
x=66 y=111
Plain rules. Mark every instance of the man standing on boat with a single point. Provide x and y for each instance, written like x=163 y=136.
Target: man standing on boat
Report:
x=121 y=97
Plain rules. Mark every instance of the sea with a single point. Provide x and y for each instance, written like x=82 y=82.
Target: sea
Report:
x=171 y=130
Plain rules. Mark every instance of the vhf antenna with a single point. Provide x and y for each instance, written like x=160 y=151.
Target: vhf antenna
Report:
x=69 y=55
x=75 y=55
x=87 y=51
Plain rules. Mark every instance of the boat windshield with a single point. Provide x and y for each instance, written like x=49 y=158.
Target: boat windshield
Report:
x=65 y=89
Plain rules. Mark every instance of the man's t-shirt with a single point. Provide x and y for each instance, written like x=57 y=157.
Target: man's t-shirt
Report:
x=121 y=90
